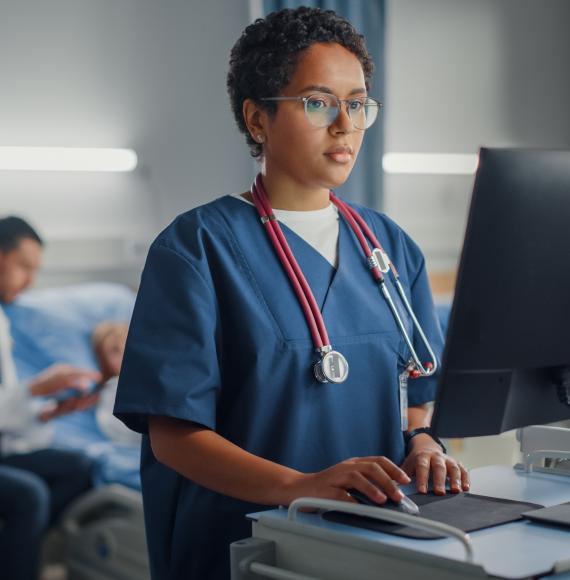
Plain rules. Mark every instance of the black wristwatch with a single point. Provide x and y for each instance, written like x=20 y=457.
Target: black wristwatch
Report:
x=409 y=436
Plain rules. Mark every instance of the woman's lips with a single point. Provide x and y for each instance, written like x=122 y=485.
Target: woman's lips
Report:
x=340 y=155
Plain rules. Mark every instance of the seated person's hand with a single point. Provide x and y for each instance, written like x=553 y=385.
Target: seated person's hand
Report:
x=55 y=409
x=108 y=341
x=426 y=457
x=60 y=377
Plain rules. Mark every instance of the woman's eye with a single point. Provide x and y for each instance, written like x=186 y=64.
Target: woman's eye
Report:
x=317 y=104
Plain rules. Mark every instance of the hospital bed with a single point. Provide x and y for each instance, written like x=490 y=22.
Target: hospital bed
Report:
x=294 y=545
x=104 y=536
x=103 y=531
x=54 y=325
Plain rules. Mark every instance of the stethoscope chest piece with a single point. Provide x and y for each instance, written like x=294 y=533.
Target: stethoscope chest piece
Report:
x=332 y=368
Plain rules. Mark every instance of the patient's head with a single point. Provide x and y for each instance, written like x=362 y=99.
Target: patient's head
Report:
x=108 y=340
x=21 y=252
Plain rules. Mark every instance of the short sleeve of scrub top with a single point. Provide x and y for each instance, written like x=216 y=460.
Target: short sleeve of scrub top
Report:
x=172 y=367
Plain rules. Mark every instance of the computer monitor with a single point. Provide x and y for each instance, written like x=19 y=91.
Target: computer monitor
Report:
x=508 y=341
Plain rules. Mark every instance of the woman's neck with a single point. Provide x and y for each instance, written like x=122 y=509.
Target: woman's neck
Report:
x=288 y=194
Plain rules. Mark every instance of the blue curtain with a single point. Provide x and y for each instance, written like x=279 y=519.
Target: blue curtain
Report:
x=368 y=17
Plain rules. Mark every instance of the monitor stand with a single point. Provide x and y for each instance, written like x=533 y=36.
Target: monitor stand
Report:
x=545 y=449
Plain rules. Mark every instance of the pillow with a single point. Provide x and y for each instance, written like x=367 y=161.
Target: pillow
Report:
x=54 y=325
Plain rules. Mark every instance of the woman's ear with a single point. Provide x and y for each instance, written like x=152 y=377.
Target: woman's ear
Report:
x=255 y=120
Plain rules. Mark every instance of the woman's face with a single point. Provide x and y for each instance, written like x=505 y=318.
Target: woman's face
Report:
x=316 y=157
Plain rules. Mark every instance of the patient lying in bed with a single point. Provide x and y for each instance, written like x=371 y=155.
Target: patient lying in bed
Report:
x=84 y=325
x=108 y=341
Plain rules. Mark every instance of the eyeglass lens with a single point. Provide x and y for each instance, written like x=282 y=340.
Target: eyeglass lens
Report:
x=322 y=110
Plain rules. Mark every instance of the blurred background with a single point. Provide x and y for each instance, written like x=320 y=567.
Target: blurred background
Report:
x=150 y=76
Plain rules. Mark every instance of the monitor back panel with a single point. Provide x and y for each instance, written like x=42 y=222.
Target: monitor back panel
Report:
x=511 y=309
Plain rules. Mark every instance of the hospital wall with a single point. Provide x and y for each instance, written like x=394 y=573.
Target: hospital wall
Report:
x=151 y=76
x=463 y=74
x=137 y=73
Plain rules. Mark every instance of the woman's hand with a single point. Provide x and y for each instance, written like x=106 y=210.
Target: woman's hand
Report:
x=210 y=460
x=426 y=456
x=375 y=477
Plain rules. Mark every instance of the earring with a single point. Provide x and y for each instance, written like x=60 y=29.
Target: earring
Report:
x=260 y=138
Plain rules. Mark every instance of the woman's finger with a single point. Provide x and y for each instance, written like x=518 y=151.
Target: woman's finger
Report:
x=465 y=479
x=358 y=481
x=394 y=472
x=422 y=472
x=438 y=473
x=454 y=475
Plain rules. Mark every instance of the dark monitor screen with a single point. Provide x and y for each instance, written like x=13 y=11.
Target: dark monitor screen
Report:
x=505 y=363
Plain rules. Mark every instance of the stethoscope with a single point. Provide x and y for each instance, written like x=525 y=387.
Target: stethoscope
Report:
x=333 y=366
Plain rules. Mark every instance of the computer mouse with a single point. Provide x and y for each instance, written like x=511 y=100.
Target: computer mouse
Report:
x=406 y=505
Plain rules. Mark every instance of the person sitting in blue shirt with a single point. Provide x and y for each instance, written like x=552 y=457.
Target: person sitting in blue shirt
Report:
x=218 y=368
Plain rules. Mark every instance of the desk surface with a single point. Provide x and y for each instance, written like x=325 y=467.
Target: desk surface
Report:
x=516 y=550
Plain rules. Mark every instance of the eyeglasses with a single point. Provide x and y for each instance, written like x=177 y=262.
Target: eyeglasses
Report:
x=323 y=109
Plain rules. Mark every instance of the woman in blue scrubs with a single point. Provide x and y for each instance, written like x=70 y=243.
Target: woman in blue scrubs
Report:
x=217 y=373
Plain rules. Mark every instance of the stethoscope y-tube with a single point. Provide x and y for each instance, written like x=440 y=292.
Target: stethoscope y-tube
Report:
x=379 y=264
x=333 y=367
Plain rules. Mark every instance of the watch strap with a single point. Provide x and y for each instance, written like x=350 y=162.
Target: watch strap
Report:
x=411 y=434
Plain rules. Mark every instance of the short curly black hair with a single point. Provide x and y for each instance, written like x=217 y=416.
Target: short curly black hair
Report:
x=264 y=58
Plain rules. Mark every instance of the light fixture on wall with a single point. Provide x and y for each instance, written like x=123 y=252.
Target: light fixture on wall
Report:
x=67 y=159
x=430 y=163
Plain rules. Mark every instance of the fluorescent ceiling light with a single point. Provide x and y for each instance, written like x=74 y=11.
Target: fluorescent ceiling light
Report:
x=66 y=159
x=432 y=163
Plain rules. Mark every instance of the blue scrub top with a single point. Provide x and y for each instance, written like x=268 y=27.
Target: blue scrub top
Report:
x=218 y=338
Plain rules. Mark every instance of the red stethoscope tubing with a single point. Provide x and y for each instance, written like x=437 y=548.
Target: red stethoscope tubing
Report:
x=349 y=217
x=298 y=281
x=303 y=291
